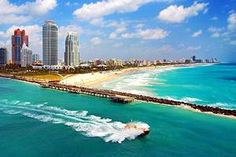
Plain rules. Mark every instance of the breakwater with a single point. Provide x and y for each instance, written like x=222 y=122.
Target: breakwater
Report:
x=129 y=97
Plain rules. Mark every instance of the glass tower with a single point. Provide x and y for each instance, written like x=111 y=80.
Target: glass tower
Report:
x=50 y=43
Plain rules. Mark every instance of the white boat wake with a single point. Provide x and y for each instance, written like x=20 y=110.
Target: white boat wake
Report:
x=81 y=121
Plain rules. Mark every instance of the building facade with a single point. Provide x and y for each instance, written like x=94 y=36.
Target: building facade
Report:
x=26 y=56
x=18 y=39
x=3 y=56
x=50 y=43
x=72 y=57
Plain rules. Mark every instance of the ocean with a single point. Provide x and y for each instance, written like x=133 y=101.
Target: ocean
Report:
x=42 y=122
x=213 y=85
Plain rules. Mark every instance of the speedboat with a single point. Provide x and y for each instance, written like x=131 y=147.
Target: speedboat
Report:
x=143 y=127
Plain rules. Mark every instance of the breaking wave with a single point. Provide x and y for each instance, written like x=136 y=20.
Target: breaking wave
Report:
x=223 y=105
x=185 y=99
x=81 y=121
x=138 y=82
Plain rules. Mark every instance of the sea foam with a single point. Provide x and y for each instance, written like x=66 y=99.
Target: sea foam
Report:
x=81 y=121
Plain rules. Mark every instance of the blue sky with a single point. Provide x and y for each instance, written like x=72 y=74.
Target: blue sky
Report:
x=142 y=29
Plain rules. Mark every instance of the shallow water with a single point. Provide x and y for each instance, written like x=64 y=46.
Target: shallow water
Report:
x=213 y=85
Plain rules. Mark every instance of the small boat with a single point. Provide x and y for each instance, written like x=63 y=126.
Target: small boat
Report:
x=139 y=126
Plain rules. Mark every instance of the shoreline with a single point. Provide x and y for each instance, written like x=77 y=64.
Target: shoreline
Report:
x=216 y=111
x=98 y=78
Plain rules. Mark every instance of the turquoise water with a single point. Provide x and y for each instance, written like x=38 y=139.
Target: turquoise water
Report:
x=43 y=122
x=213 y=85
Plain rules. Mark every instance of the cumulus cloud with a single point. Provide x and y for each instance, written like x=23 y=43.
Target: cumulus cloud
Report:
x=147 y=34
x=96 y=41
x=197 y=34
x=41 y=7
x=107 y=7
x=178 y=14
x=12 y=14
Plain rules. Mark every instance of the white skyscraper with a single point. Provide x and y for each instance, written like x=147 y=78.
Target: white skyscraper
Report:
x=71 y=56
x=50 y=43
x=26 y=56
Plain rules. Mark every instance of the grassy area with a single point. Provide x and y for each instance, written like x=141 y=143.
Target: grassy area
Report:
x=42 y=77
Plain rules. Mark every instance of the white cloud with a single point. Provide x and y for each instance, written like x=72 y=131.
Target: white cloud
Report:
x=232 y=22
x=41 y=7
x=107 y=7
x=197 y=34
x=70 y=28
x=147 y=34
x=214 y=18
x=215 y=32
x=14 y=19
x=194 y=48
x=71 y=3
x=178 y=14
x=119 y=29
x=18 y=14
x=96 y=41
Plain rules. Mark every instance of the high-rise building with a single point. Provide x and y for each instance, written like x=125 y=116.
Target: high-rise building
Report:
x=71 y=56
x=3 y=56
x=50 y=43
x=26 y=56
x=35 y=58
x=194 y=58
x=18 y=39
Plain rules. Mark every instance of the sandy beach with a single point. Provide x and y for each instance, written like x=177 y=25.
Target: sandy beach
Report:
x=97 y=78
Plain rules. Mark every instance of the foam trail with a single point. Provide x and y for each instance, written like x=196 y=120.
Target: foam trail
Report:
x=81 y=121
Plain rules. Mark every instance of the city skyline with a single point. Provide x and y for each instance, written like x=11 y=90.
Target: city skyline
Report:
x=139 y=29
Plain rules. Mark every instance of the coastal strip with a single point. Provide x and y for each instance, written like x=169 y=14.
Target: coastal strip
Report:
x=123 y=97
